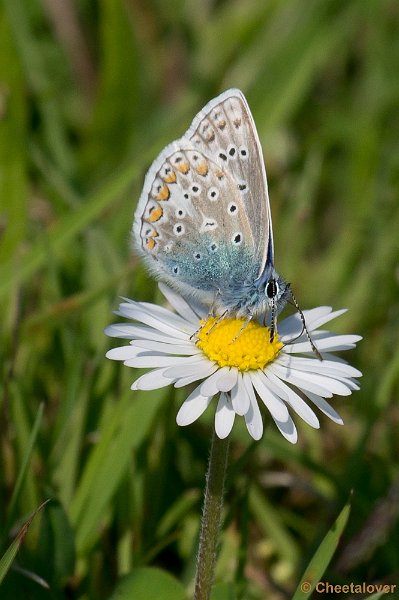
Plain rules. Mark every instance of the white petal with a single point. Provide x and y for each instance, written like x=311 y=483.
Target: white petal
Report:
x=318 y=384
x=295 y=401
x=189 y=368
x=325 y=341
x=292 y=326
x=122 y=353
x=334 y=358
x=224 y=418
x=328 y=368
x=288 y=430
x=121 y=330
x=325 y=407
x=275 y=406
x=166 y=325
x=314 y=365
x=192 y=407
x=151 y=359
x=277 y=390
x=317 y=321
x=300 y=382
x=134 y=331
x=227 y=380
x=164 y=314
x=201 y=309
x=185 y=348
x=201 y=372
x=253 y=418
x=210 y=386
x=351 y=384
x=152 y=380
x=179 y=304
x=239 y=397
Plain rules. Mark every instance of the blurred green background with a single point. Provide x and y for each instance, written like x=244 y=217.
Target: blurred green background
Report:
x=90 y=92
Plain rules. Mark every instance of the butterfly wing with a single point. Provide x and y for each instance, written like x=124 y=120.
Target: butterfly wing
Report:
x=191 y=223
x=225 y=130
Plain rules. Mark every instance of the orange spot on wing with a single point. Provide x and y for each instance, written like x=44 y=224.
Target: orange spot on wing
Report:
x=170 y=177
x=150 y=244
x=202 y=169
x=184 y=168
x=155 y=214
x=162 y=194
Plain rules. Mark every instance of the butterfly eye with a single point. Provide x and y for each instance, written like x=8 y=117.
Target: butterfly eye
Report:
x=271 y=288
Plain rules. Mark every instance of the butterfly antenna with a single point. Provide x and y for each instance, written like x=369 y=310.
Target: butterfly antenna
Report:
x=273 y=324
x=304 y=328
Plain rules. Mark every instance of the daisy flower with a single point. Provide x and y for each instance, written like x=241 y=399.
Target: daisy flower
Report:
x=240 y=367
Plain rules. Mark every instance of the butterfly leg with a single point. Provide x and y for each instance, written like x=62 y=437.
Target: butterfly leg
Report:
x=243 y=326
x=212 y=313
x=220 y=318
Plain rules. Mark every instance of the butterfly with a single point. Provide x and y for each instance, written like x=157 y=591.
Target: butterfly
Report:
x=203 y=221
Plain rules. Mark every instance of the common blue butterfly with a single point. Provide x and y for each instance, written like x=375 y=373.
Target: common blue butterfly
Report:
x=203 y=221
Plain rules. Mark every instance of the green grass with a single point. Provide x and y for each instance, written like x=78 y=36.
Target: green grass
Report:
x=80 y=121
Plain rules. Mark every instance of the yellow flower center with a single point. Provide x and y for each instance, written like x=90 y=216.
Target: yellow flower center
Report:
x=230 y=344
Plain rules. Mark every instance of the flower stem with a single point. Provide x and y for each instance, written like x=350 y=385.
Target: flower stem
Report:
x=213 y=503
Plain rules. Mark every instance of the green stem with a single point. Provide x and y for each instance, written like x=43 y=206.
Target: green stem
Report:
x=213 y=503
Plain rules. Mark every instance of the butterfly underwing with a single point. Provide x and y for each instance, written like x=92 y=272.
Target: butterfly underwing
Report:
x=203 y=221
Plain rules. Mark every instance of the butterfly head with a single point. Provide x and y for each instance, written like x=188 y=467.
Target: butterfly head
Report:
x=277 y=291
x=274 y=289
